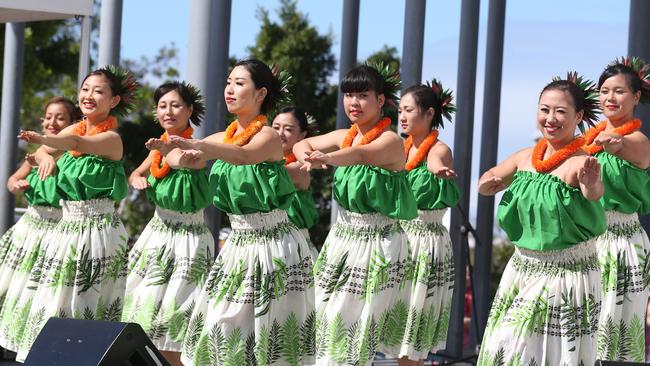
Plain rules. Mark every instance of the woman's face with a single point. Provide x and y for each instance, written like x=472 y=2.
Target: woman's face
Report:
x=96 y=98
x=288 y=128
x=240 y=93
x=363 y=107
x=617 y=100
x=172 y=113
x=557 y=118
x=57 y=117
x=412 y=120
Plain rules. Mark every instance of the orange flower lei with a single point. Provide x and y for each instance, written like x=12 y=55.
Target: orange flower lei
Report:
x=290 y=158
x=422 y=151
x=557 y=157
x=158 y=169
x=624 y=129
x=368 y=136
x=250 y=131
x=81 y=127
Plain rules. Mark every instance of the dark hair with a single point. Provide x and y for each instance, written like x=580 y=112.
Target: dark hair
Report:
x=122 y=84
x=577 y=94
x=190 y=95
x=73 y=110
x=425 y=98
x=363 y=78
x=304 y=123
x=263 y=77
x=632 y=76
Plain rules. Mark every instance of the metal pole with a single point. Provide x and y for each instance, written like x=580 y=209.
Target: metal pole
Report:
x=489 y=143
x=110 y=32
x=413 y=43
x=349 y=40
x=12 y=76
x=464 y=129
x=206 y=69
x=218 y=70
x=84 y=49
x=639 y=45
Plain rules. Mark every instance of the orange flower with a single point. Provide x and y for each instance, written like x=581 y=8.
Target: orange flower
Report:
x=544 y=166
x=624 y=129
x=422 y=151
x=161 y=171
x=290 y=158
x=369 y=136
x=81 y=127
x=250 y=131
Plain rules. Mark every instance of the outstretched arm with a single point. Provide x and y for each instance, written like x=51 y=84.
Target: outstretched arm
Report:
x=499 y=177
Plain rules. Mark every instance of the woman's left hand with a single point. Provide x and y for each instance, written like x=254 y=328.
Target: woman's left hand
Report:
x=31 y=137
x=183 y=143
x=316 y=160
x=589 y=173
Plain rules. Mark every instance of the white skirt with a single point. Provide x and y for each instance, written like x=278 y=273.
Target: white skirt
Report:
x=623 y=253
x=257 y=306
x=22 y=260
x=84 y=270
x=429 y=288
x=168 y=266
x=546 y=309
x=359 y=275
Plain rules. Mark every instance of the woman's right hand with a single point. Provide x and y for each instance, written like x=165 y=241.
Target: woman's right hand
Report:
x=19 y=185
x=491 y=186
x=138 y=182
x=46 y=167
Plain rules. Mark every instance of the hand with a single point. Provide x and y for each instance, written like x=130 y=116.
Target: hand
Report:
x=31 y=137
x=139 y=182
x=155 y=144
x=316 y=160
x=491 y=186
x=589 y=173
x=183 y=143
x=47 y=167
x=19 y=186
x=188 y=158
x=31 y=159
x=612 y=143
x=444 y=172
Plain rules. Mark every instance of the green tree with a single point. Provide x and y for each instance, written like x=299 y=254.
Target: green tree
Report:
x=388 y=55
x=295 y=45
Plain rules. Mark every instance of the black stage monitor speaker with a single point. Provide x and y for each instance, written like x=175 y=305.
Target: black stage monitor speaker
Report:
x=618 y=363
x=67 y=342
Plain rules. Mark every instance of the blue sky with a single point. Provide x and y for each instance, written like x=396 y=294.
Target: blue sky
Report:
x=542 y=39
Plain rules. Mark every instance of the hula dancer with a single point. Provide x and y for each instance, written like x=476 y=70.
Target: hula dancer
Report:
x=365 y=260
x=257 y=305
x=546 y=309
x=293 y=125
x=169 y=263
x=84 y=275
x=624 y=155
x=430 y=176
x=21 y=253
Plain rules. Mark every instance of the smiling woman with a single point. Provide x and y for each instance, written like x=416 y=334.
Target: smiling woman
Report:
x=551 y=213
x=87 y=249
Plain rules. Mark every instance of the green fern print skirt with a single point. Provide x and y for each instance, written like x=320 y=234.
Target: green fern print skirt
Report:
x=623 y=253
x=21 y=256
x=257 y=307
x=168 y=266
x=429 y=287
x=84 y=269
x=360 y=272
x=546 y=309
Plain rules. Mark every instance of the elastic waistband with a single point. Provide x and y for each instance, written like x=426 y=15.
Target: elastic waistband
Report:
x=87 y=208
x=258 y=220
x=187 y=218
x=367 y=220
